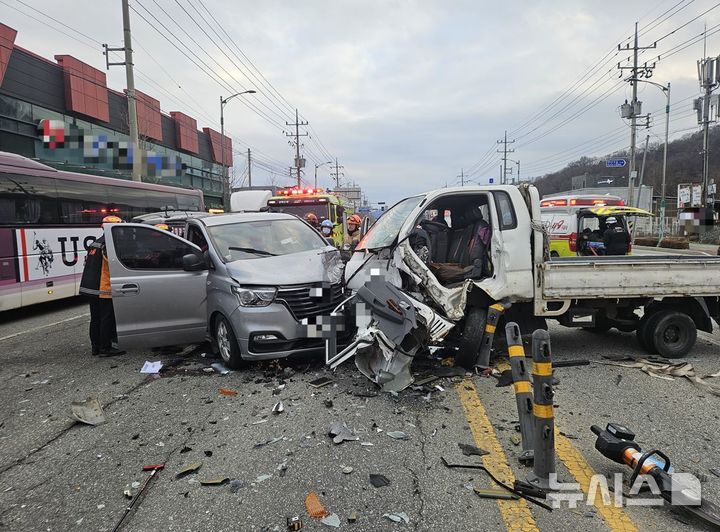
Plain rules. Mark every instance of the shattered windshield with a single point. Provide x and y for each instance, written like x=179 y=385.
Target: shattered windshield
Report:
x=384 y=232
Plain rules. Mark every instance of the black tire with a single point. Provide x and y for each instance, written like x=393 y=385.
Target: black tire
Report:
x=471 y=339
x=644 y=332
x=673 y=333
x=227 y=343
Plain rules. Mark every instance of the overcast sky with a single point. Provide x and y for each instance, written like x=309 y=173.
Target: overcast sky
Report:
x=403 y=93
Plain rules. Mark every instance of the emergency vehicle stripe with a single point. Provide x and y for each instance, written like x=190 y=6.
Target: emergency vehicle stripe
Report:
x=24 y=255
x=515 y=514
x=615 y=518
x=516 y=351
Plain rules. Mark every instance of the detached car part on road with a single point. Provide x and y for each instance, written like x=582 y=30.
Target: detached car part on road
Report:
x=457 y=251
x=252 y=282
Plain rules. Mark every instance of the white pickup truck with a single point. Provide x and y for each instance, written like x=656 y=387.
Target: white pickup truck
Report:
x=457 y=251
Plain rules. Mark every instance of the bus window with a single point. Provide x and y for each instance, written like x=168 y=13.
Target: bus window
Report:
x=82 y=202
x=27 y=200
x=188 y=202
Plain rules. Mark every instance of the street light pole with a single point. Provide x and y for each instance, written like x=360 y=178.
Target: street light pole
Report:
x=316 y=169
x=226 y=181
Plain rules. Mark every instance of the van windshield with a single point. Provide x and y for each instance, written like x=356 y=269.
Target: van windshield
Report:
x=384 y=232
x=263 y=238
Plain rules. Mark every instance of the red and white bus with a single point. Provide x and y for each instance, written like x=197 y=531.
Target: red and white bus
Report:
x=49 y=217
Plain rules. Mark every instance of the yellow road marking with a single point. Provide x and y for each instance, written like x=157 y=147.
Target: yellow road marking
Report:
x=615 y=518
x=515 y=514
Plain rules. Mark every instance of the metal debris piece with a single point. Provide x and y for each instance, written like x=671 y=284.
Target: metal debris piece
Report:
x=331 y=520
x=340 y=432
x=294 y=523
x=319 y=383
x=398 y=517
x=314 y=507
x=190 y=468
x=278 y=408
x=227 y=392
x=347 y=470
x=214 y=481
x=471 y=450
x=88 y=411
x=398 y=435
x=268 y=442
x=379 y=481
x=220 y=368
x=491 y=493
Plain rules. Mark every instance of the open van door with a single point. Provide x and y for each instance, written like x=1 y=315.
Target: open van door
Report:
x=159 y=286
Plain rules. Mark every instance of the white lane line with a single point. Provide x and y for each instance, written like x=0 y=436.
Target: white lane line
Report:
x=44 y=326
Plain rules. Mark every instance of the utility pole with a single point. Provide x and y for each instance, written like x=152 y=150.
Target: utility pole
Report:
x=504 y=151
x=299 y=163
x=709 y=76
x=130 y=76
x=462 y=177
x=249 y=169
x=634 y=109
x=518 y=176
x=337 y=173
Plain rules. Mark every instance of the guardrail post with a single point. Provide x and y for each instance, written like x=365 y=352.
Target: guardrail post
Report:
x=544 y=446
x=523 y=392
x=493 y=316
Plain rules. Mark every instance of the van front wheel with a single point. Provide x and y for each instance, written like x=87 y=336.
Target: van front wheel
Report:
x=227 y=344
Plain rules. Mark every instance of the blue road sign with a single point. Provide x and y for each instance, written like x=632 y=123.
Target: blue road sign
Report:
x=615 y=163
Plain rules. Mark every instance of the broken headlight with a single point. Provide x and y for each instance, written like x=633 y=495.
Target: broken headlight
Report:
x=256 y=296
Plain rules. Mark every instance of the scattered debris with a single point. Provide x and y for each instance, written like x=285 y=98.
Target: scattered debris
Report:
x=268 y=442
x=398 y=517
x=570 y=363
x=331 y=520
x=439 y=388
x=398 y=435
x=190 y=468
x=227 y=392
x=319 y=383
x=426 y=379
x=715 y=471
x=618 y=378
x=151 y=367
x=618 y=358
x=208 y=453
x=259 y=422
x=471 y=450
x=131 y=489
x=347 y=470
x=294 y=523
x=379 y=481
x=328 y=403
x=505 y=379
x=340 y=432
x=236 y=485
x=262 y=478
x=491 y=493
x=214 y=481
x=185 y=449
x=515 y=439
x=314 y=507
x=668 y=370
x=366 y=444
x=278 y=408
x=208 y=370
x=88 y=411
x=352 y=517
x=220 y=368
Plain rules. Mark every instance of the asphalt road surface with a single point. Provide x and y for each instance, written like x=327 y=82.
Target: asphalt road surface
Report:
x=56 y=474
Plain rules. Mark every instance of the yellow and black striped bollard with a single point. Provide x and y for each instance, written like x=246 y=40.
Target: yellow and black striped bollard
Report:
x=493 y=316
x=523 y=392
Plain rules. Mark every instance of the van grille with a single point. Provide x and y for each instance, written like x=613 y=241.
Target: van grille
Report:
x=302 y=305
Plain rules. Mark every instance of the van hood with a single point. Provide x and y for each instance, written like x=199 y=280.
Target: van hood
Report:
x=317 y=265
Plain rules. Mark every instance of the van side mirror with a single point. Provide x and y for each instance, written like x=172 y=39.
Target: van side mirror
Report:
x=193 y=263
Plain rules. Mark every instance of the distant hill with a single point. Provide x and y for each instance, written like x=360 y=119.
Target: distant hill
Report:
x=684 y=164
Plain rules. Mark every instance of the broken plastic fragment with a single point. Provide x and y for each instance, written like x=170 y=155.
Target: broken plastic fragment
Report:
x=340 y=432
x=151 y=367
x=227 y=392
x=398 y=435
x=347 y=470
x=88 y=411
x=378 y=480
x=190 y=468
x=352 y=517
x=471 y=450
x=262 y=478
x=314 y=507
x=214 y=481
x=398 y=517
x=220 y=368
x=331 y=520
x=278 y=408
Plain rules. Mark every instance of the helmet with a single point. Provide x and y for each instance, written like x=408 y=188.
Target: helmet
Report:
x=611 y=220
x=326 y=223
x=311 y=218
x=355 y=220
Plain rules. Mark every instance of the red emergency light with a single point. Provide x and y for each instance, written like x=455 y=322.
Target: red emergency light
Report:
x=595 y=202
x=300 y=191
x=554 y=203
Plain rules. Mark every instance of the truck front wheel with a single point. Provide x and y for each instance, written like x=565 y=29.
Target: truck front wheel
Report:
x=472 y=336
x=673 y=333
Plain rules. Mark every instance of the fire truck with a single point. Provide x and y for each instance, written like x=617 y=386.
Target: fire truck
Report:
x=323 y=204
